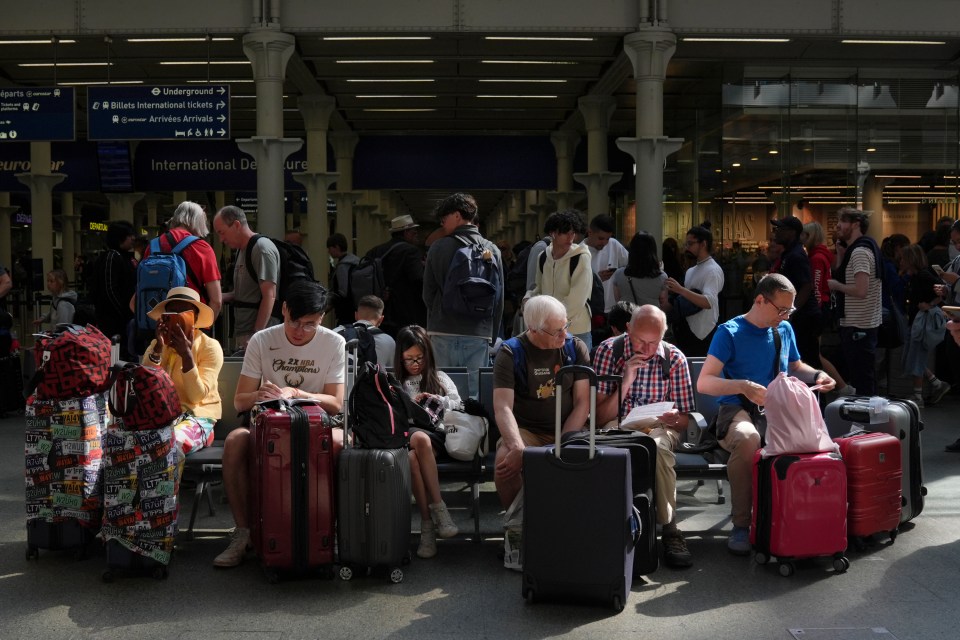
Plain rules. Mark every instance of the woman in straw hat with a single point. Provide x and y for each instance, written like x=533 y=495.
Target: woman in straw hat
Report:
x=193 y=361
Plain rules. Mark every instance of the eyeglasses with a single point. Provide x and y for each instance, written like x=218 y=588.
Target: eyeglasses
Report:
x=308 y=327
x=783 y=312
x=690 y=243
x=413 y=361
x=556 y=334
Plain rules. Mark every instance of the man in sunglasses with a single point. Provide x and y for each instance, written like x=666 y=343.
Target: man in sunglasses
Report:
x=746 y=354
x=296 y=359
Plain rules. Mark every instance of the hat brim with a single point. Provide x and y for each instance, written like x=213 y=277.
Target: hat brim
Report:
x=204 y=313
x=405 y=227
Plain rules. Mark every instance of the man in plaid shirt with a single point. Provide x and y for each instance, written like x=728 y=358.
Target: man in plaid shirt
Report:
x=643 y=358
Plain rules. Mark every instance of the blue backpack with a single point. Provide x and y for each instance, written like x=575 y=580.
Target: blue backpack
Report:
x=474 y=282
x=158 y=273
x=520 y=359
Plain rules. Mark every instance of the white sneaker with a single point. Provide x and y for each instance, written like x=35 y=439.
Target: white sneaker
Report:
x=236 y=550
x=917 y=399
x=441 y=518
x=428 y=540
x=938 y=389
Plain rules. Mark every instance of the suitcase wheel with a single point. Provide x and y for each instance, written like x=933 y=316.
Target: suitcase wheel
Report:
x=840 y=565
x=893 y=535
x=760 y=558
x=159 y=573
x=786 y=568
x=396 y=575
x=346 y=573
x=272 y=576
x=617 y=604
x=33 y=552
x=528 y=595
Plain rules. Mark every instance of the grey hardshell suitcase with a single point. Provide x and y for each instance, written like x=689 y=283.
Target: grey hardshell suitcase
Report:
x=899 y=418
x=579 y=524
x=373 y=504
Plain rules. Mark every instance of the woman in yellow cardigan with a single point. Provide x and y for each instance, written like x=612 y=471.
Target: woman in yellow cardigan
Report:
x=193 y=361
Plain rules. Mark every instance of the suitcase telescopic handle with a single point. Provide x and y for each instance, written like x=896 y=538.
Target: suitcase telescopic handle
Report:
x=352 y=346
x=577 y=369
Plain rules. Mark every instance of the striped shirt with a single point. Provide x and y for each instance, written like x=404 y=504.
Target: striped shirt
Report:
x=649 y=386
x=863 y=313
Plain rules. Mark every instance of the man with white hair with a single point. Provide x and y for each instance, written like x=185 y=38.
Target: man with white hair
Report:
x=653 y=371
x=525 y=388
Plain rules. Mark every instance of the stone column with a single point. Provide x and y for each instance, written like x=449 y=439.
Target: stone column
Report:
x=597 y=111
x=41 y=183
x=565 y=144
x=873 y=201
x=269 y=50
x=121 y=206
x=316 y=111
x=344 y=144
x=6 y=242
x=649 y=51
x=67 y=221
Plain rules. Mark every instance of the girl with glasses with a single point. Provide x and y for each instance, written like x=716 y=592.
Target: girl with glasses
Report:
x=416 y=370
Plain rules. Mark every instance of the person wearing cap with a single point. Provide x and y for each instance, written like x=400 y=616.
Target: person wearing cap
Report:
x=403 y=268
x=857 y=288
x=795 y=266
x=193 y=361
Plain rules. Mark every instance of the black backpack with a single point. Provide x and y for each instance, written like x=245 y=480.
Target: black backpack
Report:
x=596 y=299
x=381 y=413
x=295 y=265
x=367 y=278
x=364 y=335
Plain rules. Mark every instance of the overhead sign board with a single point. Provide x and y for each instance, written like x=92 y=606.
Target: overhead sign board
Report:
x=191 y=112
x=37 y=114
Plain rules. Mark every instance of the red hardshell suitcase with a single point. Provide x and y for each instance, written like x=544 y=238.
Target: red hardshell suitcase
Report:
x=874 y=477
x=291 y=487
x=799 y=509
x=899 y=418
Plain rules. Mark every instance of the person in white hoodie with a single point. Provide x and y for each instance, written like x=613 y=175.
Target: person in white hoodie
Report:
x=62 y=304
x=564 y=271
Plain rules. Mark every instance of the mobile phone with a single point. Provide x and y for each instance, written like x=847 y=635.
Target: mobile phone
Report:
x=938 y=269
x=952 y=312
x=184 y=319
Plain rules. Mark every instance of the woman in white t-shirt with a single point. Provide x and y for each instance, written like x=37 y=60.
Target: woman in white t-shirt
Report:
x=414 y=363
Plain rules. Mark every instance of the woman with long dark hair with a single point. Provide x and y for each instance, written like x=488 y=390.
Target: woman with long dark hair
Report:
x=642 y=279
x=416 y=369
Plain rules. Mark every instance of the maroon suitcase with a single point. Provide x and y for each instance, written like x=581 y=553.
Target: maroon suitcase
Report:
x=874 y=477
x=799 y=509
x=291 y=488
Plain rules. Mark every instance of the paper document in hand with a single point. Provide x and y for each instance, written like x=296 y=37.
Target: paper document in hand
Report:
x=645 y=416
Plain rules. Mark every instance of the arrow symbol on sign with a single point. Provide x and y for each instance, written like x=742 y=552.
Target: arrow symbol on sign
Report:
x=221 y=117
x=221 y=104
x=222 y=132
x=221 y=91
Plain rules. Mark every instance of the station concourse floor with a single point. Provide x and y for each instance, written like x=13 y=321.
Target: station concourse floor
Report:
x=904 y=591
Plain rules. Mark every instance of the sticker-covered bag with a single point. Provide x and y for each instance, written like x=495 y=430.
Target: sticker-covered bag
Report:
x=143 y=397
x=72 y=362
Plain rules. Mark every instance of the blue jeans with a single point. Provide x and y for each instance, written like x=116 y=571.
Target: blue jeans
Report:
x=859 y=348
x=471 y=352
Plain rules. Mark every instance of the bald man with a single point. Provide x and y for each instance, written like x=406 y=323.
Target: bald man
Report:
x=642 y=358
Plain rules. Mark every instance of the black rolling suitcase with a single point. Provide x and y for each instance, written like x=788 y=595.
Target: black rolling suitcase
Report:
x=579 y=523
x=373 y=501
x=899 y=418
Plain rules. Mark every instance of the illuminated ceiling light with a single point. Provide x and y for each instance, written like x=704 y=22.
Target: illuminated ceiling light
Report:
x=773 y=152
x=871 y=149
x=735 y=164
x=526 y=62
x=718 y=170
x=892 y=42
x=197 y=63
x=97 y=82
x=218 y=81
x=65 y=64
x=392 y=80
x=187 y=39
x=521 y=80
x=540 y=38
x=736 y=39
x=515 y=96
x=754 y=158
x=390 y=61
x=391 y=95
x=898 y=177
x=363 y=38
x=400 y=110
x=47 y=41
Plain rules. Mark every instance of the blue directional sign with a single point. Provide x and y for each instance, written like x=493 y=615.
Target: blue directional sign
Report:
x=37 y=114
x=191 y=112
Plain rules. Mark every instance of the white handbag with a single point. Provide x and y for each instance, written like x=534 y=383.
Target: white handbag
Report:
x=464 y=434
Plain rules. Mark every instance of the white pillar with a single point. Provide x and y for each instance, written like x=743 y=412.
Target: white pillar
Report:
x=121 y=206
x=67 y=221
x=649 y=50
x=565 y=144
x=41 y=183
x=597 y=111
x=344 y=145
